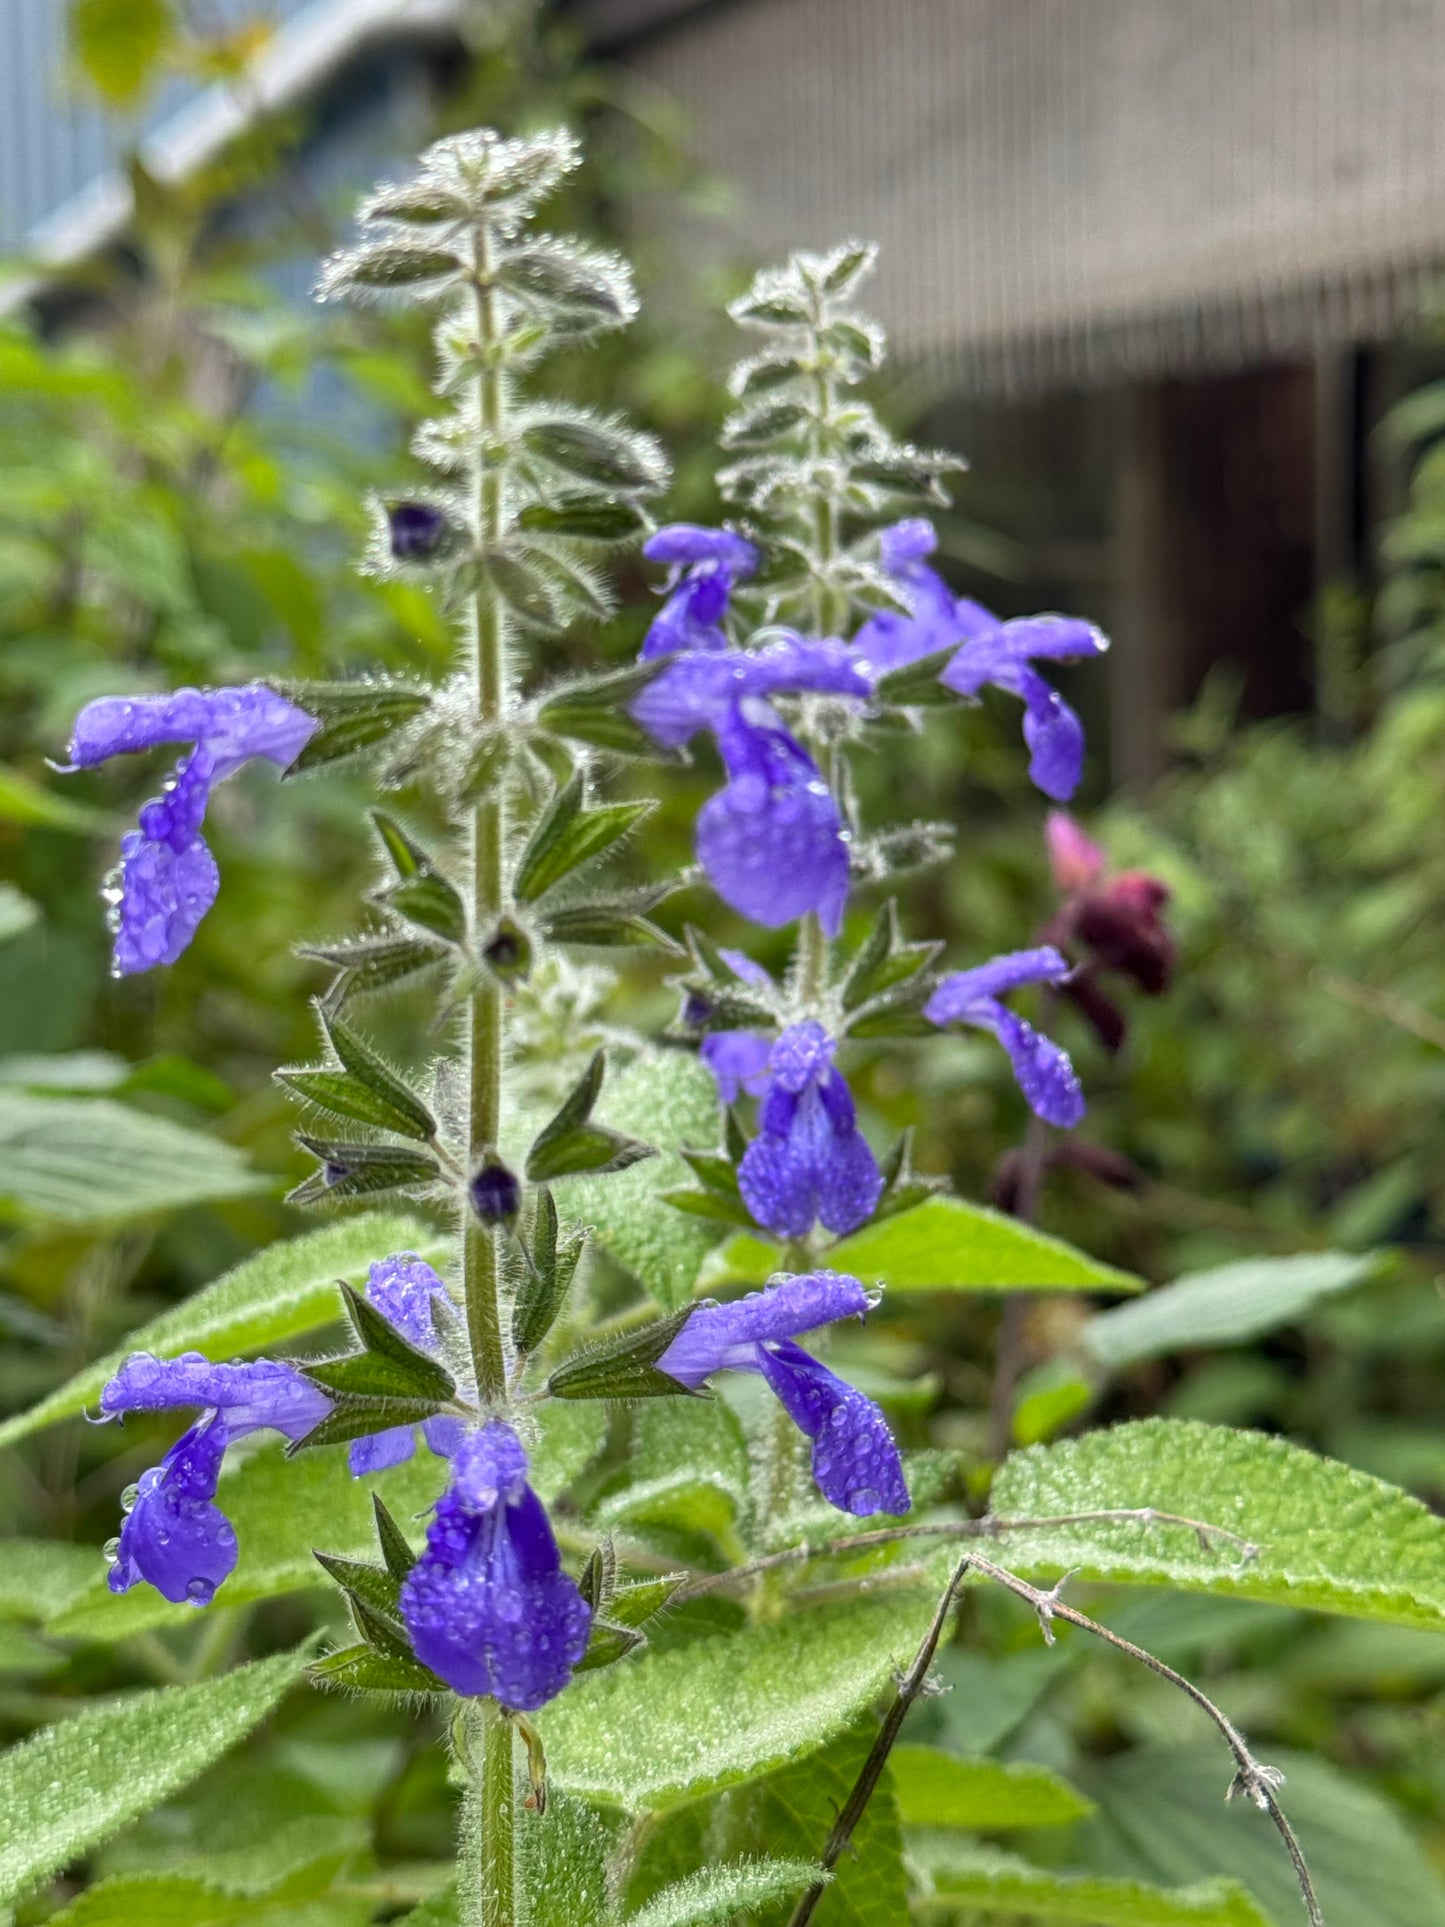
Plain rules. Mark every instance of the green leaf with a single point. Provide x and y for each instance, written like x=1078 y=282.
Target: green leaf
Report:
x=92 y=1161
x=39 y=1577
x=71 y=1786
x=688 y=1471
x=793 y=1812
x=594 y=709
x=1162 y=1817
x=570 y=1144
x=372 y=963
x=403 y=1111
x=565 y=1861
x=916 y=684
x=17 y=913
x=720 y=1894
x=604 y=927
x=936 y=1789
x=941 y=1245
x=595 y=452
x=884 y=959
x=670 y=1097
x=569 y=835
x=118 y=43
x=960 y=1879
x=295 y=1861
x=284 y=1291
x=355 y=1170
x=364 y=1668
x=352 y=716
x=624 y=1367
x=543 y=1291
x=571 y=1436
x=754 y=1699
x=281 y=1507
x=1330 y=1539
x=584 y=520
x=1225 y=1306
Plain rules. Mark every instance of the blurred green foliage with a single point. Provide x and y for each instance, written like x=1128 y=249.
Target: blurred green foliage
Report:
x=183 y=456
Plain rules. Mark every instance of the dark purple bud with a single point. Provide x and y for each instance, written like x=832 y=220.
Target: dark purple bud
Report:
x=696 y=1010
x=416 y=530
x=334 y=1173
x=508 y=951
x=1097 y=1161
x=495 y=1193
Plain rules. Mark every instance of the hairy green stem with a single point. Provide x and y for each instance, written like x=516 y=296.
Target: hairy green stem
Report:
x=490 y=1830
x=481 y=1270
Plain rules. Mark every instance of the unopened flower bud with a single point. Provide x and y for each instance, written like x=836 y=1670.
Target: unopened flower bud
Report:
x=416 y=530
x=495 y=1193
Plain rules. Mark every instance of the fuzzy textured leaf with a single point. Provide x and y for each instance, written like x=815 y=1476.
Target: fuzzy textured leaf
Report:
x=755 y=1699
x=959 y=1879
x=119 y=1761
x=670 y=1099
x=718 y=1895
x=1330 y=1538
x=285 y=1290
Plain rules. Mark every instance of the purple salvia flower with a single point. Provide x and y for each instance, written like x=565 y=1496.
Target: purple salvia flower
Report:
x=809 y=1161
x=890 y=640
x=772 y=841
x=1003 y=654
x=405 y=1290
x=989 y=651
x=487 y=1605
x=168 y=877
x=738 y=1060
x=703 y=565
x=855 y=1461
x=1045 y=1075
x=174 y=1536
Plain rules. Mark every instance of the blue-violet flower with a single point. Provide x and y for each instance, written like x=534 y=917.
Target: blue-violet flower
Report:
x=773 y=840
x=174 y=1536
x=809 y=1161
x=855 y=1461
x=487 y=1605
x=168 y=878
x=989 y=651
x=406 y=1290
x=1045 y=1075
x=703 y=565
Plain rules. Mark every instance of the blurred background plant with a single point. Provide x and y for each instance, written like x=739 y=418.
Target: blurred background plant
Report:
x=184 y=448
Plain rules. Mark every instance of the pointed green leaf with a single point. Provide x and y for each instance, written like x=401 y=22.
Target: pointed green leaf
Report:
x=960 y=1877
x=395 y=1550
x=408 y=1115
x=1225 y=1306
x=282 y=1292
x=351 y=717
x=671 y=1098
x=1329 y=1538
x=623 y=1367
x=720 y=1894
x=93 y=1161
x=568 y=836
x=755 y=1699
x=372 y=963
x=884 y=959
x=584 y=520
x=937 y=1789
x=375 y=1584
x=363 y=1669
x=607 y=928
x=69 y=1787
x=942 y=1245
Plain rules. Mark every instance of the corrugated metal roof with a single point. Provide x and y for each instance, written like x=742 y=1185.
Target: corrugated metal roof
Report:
x=1068 y=189
x=61 y=194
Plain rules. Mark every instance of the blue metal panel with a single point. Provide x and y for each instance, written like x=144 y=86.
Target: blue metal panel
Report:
x=55 y=140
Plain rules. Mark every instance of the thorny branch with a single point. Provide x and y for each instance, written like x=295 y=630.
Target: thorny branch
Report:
x=1251 y=1777
x=910 y=1687
x=1209 y=1537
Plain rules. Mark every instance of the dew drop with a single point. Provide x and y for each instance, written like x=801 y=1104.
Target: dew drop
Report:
x=129 y=1497
x=200 y=1592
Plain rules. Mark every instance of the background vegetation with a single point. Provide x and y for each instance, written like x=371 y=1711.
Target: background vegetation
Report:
x=183 y=455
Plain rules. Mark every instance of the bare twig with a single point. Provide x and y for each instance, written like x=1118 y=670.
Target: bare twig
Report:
x=1209 y=1537
x=909 y=1688
x=1252 y=1778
